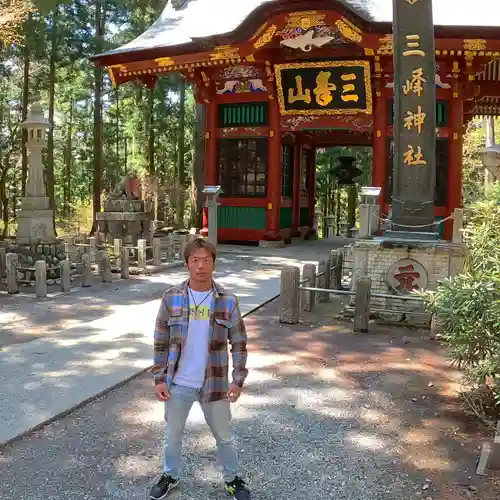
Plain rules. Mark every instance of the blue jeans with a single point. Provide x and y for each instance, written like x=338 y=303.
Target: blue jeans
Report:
x=218 y=417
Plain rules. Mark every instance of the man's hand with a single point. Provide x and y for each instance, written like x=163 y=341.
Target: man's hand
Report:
x=161 y=392
x=234 y=393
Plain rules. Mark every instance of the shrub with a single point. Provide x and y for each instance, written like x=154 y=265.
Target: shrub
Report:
x=468 y=306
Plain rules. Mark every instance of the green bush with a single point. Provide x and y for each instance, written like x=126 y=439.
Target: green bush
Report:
x=468 y=306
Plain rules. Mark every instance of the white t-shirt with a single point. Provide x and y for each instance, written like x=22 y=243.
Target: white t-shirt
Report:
x=194 y=357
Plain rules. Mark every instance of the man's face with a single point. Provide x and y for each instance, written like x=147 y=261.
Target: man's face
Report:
x=200 y=265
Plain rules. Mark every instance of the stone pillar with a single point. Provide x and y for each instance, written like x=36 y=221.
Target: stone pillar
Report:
x=362 y=305
x=289 y=295
x=86 y=270
x=210 y=152
x=308 y=298
x=458 y=225
x=64 y=267
x=141 y=254
x=364 y=220
x=156 y=251
x=104 y=267
x=117 y=250
x=212 y=206
x=11 y=260
x=41 y=278
x=92 y=248
x=3 y=261
x=414 y=169
x=321 y=281
x=182 y=246
x=124 y=268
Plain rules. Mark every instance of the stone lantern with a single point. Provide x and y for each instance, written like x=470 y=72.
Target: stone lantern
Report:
x=35 y=219
x=490 y=156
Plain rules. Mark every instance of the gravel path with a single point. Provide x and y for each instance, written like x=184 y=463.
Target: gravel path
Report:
x=308 y=427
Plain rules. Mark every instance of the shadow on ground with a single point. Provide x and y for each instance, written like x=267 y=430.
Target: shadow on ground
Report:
x=326 y=414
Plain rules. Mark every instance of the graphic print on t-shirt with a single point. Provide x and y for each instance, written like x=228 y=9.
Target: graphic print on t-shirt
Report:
x=200 y=313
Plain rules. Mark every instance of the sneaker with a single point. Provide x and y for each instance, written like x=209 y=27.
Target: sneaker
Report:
x=162 y=488
x=237 y=489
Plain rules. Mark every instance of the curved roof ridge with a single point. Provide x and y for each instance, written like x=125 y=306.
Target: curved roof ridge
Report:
x=189 y=21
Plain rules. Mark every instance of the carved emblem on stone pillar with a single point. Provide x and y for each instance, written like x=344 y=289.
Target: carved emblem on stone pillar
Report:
x=406 y=276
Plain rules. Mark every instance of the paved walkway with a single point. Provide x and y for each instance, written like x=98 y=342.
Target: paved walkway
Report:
x=325 y=415
x=64 y=351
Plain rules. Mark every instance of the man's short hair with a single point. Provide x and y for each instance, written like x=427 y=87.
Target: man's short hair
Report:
x=198 y=243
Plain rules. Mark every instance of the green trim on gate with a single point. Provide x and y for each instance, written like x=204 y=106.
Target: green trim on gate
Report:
x=304 y=216
x=241 y=217
x=285 y=217
x=247 y=114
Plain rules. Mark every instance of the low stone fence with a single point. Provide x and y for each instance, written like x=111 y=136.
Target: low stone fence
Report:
x=298 y=295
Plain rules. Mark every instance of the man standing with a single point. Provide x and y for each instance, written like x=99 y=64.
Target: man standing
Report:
x=194 y=324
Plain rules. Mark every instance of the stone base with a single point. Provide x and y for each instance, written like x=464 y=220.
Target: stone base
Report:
x=408 y=235
x=297 y=240
x=271 y=244
x=34 y=227
x=395 y=265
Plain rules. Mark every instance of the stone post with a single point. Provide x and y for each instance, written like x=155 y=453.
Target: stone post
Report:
x=104 y=267
x=117 y=250
x=69 y=248
x=156 y=252
x=86 y=270
x=308 y=298
x=3 y=261
x=92 y=248
x=289 y=295
x=41 y=278
x=141 y=254
x=458 y=225
x=182 y=246
x=364 y=220
x=328 y=274
x=124 y=268
x=11 y=260
x=337 y=262
x=170 y=248
x=65 y=275
x=321 y=281
x=362 y=305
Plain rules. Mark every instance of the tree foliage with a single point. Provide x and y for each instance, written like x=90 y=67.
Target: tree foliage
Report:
x=468 y=305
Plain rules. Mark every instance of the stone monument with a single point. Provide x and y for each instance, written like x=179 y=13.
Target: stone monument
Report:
x=35 y=218
x=414 y=168
x=125 y=215
x=409 y=257
x=36 y=239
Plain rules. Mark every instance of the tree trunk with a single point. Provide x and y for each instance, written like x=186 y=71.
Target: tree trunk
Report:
x=197 y=180
x=26 y=90
x=50 y=141
x=68 y=162
x=97 y=130
x=4 y=201
x=179 y=214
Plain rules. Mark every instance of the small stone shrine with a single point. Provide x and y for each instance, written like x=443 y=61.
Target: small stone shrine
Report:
x=125 y=215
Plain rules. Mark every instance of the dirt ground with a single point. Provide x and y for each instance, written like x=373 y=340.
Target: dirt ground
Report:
x=437 y=434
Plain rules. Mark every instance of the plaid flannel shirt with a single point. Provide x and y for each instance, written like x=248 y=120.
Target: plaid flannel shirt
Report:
x=226 y=324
